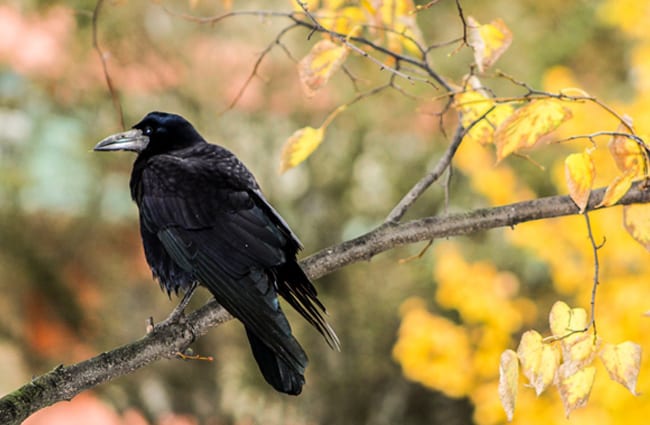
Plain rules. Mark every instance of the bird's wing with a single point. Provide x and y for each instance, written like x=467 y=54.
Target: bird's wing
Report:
x=212 y=225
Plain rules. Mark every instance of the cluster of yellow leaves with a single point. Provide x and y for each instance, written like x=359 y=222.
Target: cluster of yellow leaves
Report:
x=560 y=246
x=566 y=360
x=518 y=130
x=461 y=360
x=630 y=156
x=511 y=130
x=390 y=23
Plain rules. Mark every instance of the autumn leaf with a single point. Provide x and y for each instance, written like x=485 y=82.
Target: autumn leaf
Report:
x=299 y=146
x=488 y=41
x=575 y=387
x=630 y=160
x=304 y=142
x=539 y=361
x=315 y=69
x=636 y=219
x=617 y=189
x=528 y=124
x=580 y=171
x=626 y=152
x=508 y=378
x=623 y=362
x=564 y=319
x=579 y=347
x=473 y=105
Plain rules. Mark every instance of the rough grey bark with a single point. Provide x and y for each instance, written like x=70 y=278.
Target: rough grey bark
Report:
x=168 y=338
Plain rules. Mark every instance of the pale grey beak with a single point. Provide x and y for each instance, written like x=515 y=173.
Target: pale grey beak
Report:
x=132 y=140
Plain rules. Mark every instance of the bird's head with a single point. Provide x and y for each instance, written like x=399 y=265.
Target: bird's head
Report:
x=158 y=132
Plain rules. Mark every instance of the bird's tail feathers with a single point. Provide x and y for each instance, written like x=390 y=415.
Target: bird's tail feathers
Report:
x=284 y=377
x=300 y=293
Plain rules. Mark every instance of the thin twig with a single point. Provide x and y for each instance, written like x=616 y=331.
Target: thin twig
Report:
x=461 y=15
x=591 y=136
x=114 y=95
x=347 y=40
x=418 y=189
x=256 y=67
x=211 y=20
x=595 y=247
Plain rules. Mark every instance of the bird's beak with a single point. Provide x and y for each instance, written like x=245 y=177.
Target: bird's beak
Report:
x=132 y=140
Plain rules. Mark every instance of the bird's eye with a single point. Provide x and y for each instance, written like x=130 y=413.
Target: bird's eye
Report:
x=147 y=131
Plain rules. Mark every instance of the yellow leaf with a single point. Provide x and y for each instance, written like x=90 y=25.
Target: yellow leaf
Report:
x=539 y=361
x=623 y=362
x=564 y=319
x=315 y=69
x=617 y=188
x=636 y=219
x=473 y=105
x=299 y=146
x=508 y=377
x=580 y=171
x=575 y=387
x=579 y=347
x=488 y=41
x=528 y=125
x=626 y=152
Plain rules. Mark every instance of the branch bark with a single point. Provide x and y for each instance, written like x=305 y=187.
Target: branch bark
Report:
x=168 y=338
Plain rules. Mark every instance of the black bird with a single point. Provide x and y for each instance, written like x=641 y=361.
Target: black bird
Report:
x=204 y=219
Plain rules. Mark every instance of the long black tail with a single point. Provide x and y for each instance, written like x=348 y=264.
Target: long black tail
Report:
x=282 y=376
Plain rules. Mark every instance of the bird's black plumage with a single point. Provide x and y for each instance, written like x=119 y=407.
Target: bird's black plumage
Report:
x=204 y=219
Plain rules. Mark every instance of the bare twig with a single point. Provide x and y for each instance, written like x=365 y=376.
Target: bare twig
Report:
x=592 y=136
x=211 y=20
x=461 y=15
x=256 y=67
x=595 y=247
x=416 y=191
x=114 y=95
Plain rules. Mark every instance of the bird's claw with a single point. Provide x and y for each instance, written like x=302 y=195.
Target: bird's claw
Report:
x=189 y=355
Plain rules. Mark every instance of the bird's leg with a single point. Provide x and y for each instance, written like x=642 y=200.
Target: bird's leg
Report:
x=180 y=308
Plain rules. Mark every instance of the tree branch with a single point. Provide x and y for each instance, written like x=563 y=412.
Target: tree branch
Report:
x=421 y=186
x=168 y=338
x=391 y=235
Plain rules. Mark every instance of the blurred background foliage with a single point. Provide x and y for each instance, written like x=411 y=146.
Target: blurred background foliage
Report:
x=421 y=340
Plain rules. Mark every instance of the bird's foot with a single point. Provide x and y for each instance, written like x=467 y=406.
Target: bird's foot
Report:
x=179 y=311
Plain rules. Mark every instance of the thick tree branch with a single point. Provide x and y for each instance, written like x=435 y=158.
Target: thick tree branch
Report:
x=390 y=235
x=64 y=382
